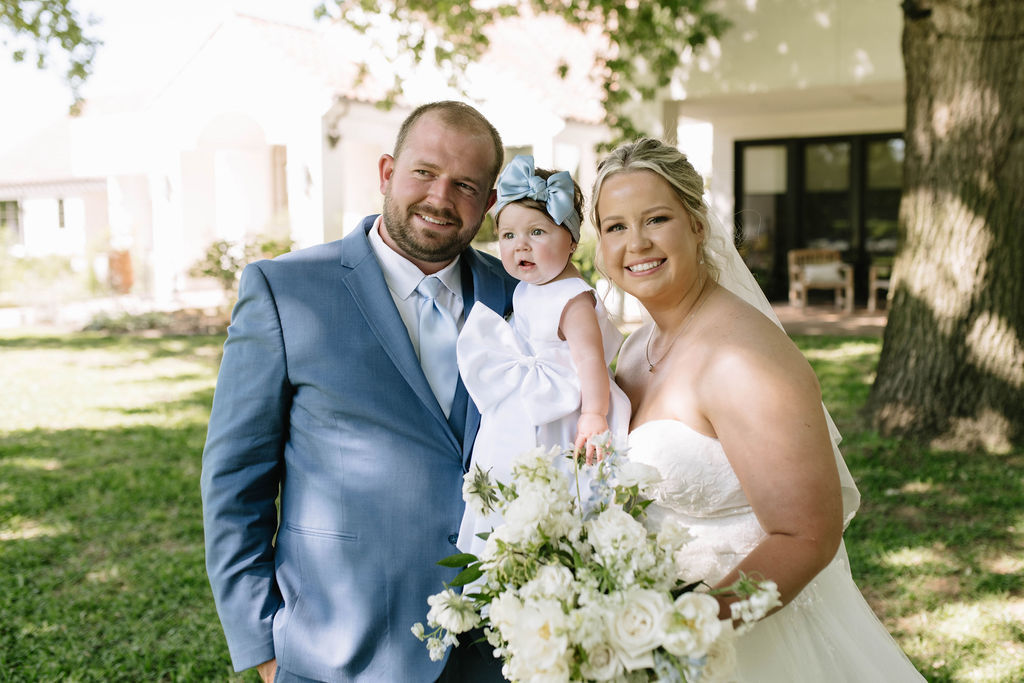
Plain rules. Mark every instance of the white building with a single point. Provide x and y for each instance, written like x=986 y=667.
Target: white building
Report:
x=265 y=130
x=795 y=117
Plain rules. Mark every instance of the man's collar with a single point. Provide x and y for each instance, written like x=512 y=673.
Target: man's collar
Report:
x=401 y=274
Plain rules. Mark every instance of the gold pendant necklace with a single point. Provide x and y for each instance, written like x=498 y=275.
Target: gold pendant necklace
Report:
x=686 y=323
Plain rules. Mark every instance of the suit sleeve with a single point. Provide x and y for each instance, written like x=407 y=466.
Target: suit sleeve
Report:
x=242 y=468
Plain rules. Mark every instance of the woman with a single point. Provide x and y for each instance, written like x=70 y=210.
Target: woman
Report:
x=729 y=411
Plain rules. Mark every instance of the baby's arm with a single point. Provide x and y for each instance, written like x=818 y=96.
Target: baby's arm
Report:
x=581 y=331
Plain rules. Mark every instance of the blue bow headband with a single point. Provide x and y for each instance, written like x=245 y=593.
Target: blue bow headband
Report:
x=518 y=181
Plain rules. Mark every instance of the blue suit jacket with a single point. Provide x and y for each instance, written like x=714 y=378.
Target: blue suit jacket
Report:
x=321 y=396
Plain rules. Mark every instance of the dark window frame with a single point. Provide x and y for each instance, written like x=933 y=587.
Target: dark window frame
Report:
x=792 y=234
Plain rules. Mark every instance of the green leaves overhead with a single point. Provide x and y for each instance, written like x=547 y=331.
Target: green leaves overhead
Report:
x=644 y=43
x=33 y=28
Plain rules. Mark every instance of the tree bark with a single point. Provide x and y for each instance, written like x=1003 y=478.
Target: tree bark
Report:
x=951 y=372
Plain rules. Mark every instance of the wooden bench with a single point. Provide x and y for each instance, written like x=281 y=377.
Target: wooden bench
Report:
x=819 y=269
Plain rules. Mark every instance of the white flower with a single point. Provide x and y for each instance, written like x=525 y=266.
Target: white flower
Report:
x=451 y=611
x=757 y=606
x=537 y=510
x=673 y=535
x=537 y=466
x=561 y=597
x=538 y=640
x=692 y=625
x=436 y=649
x=603 y=663
x=614 y=533
x=720 y=666
x=636 y=627
x=632 y=473
x=504 y=610
x=552 y=581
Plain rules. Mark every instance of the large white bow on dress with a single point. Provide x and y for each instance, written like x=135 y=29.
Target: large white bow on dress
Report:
x=495 y=363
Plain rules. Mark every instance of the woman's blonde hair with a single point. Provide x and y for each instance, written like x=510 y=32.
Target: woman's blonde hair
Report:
x=648 y=154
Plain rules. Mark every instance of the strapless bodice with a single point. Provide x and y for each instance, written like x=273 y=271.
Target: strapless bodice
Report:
x=699 y=489
x=697 y=477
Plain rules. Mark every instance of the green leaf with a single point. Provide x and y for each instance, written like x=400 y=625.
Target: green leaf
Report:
x=458 y=560
x=467 y=575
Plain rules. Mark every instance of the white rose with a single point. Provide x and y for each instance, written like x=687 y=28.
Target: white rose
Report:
x=538 y=639
x=692 y=625
x=720 y=666
x=636 y=626
x=603 y=664
x=452 y=611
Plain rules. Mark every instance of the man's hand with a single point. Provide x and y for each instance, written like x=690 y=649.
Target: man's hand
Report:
x=267 y=669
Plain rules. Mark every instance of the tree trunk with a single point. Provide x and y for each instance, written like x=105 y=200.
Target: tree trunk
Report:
x=952 y=366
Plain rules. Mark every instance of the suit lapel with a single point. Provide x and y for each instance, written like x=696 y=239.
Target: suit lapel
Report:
x=365 y=282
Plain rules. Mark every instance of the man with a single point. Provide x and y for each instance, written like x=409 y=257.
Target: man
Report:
x=324 y=395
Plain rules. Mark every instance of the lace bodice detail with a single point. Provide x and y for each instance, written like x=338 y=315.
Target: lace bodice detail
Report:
x=698 y=480
x=700 y=489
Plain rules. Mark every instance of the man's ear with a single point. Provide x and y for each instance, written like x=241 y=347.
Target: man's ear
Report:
x=385 y=167
x=491 y=198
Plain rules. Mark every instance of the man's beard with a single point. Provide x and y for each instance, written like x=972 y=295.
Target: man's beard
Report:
x=414 y=245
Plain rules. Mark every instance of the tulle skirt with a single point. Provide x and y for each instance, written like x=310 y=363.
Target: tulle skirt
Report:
x=827 y=634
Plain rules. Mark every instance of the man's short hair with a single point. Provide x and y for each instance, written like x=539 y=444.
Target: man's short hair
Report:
x=456 y=115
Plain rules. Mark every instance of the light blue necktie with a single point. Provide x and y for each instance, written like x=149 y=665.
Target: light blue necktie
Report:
x=437 y=332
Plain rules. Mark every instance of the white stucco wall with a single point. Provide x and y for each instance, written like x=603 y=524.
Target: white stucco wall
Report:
x=793 y=45
x=788 y=68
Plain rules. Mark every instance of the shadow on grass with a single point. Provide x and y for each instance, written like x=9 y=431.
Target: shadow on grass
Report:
x=162 y=346
x=101 y=542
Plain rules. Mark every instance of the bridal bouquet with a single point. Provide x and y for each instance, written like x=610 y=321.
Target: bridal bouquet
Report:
x=574 y=590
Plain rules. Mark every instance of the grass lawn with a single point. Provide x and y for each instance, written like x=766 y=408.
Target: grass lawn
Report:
x=101 y=551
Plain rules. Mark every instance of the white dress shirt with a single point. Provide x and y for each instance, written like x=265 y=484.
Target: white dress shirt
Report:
x=403 y=276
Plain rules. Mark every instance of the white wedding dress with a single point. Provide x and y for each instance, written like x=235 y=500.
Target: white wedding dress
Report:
x=827 y=634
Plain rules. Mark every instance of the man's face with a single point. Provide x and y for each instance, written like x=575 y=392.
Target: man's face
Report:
x=436 y=192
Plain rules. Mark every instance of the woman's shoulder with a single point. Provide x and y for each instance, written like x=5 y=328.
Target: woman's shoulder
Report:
x=740 y=340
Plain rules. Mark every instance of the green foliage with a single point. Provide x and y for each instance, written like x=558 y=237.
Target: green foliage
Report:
x=646 y=42
x=41 y=281
x=37 y=25
x=583 y=259
x=122 y=323
x=224 y=260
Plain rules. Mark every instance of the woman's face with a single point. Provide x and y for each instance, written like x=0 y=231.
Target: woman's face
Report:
x=533 y=248
x=648 y=243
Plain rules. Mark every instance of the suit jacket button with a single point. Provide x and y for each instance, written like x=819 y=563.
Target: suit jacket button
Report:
x=453 y=538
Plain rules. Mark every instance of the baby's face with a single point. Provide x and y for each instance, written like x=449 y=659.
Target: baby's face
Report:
x=533 y=248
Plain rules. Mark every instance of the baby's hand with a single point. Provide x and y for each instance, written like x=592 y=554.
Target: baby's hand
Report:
x=589 y=424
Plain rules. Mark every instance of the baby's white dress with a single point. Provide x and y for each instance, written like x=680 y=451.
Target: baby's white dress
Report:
x=828 y=633
x=522 y=378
